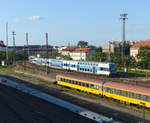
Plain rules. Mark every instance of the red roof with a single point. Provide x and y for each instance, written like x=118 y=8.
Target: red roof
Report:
x=82 y=49
x=141 y=44
x=74 y=49
x=134 y=88
x=69 y=48
x=82 y=79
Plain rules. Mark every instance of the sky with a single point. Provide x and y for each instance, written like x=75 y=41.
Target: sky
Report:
x=69 y=21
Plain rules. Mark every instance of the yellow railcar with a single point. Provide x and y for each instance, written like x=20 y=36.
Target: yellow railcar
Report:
x=127 y=93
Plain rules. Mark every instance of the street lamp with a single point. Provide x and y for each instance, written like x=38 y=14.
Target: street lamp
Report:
x=46 y=36
x=6 y=43
x=123 y=17
x=14 y=45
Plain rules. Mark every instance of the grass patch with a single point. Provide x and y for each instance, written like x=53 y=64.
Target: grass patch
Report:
x=134 y=73
x=5 y=69
x=140 y=72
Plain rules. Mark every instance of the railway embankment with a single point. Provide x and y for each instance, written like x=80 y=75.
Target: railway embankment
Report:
x=107 y=107
x=131 y=78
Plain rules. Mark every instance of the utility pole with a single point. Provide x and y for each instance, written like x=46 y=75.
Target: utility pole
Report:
x=143 y=106
x=24 y=58
x=27 y=43
x=6 y=43
x=46 y=53
x=80 y=54
x=123 y=17
x=14 y=46
x=109 y=58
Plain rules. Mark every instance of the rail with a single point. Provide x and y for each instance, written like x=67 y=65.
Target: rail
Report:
x=74 y=108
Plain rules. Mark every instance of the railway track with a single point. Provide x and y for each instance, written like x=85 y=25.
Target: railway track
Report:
x=18 y=104
x=118 y=79
x=19 y=107
x=118 y=115
x=28 y=107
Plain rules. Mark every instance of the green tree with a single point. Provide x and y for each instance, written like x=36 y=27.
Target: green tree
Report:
x=2 y=55
x=10 y=57
x=127 y=49
x=54 y=55
x=67 y=57
x=130 y=61
x=98 y=56
x=144 y=58
x=116 y=58
x=144 y=54
x=92 y=47
x=21 y=55
x=82 y=44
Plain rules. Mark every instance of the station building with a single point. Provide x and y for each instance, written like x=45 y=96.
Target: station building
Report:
x=78 y=53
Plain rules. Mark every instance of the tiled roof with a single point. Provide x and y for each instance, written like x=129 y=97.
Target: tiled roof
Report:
x=69 y=48
x=82 y=50
x=141 y=44
x=74 y=49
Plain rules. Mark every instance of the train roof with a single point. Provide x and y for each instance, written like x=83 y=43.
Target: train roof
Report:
x=133 y=88
x=81 y=61
x=126 y=87
x=83 y=79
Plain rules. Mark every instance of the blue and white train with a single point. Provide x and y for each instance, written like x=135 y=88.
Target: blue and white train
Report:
x=97 y=68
